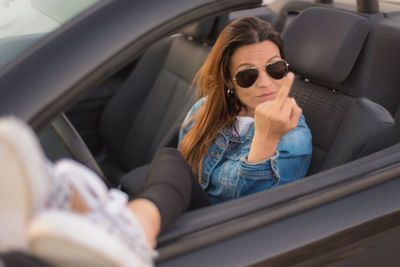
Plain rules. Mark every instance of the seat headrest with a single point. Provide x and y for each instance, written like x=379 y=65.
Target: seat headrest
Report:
x=331 y=46
x=260 y=12
x=199 y=31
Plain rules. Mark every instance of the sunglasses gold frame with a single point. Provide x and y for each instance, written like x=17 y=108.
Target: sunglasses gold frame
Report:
x=264 y=67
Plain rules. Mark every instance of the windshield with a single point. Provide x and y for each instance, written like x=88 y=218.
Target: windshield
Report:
x=24 y=22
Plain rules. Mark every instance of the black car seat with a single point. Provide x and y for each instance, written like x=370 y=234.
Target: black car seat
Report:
x=331 y=52
x=287 y=10
x=384 y=78
x=146 y=112
x=262 y=12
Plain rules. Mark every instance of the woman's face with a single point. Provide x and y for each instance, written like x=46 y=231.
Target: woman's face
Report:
x=265 y=87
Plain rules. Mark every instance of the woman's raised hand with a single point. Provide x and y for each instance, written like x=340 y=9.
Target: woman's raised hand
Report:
x=272 y=120
x=277 y=117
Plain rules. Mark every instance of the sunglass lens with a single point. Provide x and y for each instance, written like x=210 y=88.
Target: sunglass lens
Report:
x=246 y=78
x=277 y=70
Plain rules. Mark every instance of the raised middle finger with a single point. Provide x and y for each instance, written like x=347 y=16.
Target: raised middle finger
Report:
x=284 y=90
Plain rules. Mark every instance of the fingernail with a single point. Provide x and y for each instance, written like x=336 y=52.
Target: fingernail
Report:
x=290 y=75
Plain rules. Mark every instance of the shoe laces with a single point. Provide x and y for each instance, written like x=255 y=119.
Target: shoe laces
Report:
x=120 y=221
x=74 y=177
x=59 y=195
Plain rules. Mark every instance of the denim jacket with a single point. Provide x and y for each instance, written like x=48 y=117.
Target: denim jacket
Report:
x=227 y=174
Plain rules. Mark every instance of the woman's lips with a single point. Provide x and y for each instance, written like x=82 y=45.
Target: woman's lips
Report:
x=267 y=96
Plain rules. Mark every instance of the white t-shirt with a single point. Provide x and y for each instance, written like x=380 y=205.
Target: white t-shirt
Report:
x=242 y=125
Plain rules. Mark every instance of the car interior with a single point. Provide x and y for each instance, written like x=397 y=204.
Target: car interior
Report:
x=118 y=126
x=348 y=91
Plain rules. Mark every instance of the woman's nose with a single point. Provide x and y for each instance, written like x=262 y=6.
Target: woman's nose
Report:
x=263 y=79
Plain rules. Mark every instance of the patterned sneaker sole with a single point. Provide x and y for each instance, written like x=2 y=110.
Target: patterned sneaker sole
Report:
x=21 y=189
x=69 y=239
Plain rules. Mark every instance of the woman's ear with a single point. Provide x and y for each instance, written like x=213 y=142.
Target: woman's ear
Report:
x=229 y=84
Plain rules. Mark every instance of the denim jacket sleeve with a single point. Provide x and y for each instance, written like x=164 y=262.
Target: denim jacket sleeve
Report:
x=188 y=124
x=290 y=162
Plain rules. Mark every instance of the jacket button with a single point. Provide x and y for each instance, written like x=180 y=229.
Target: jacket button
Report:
x=215 y=154
x=274 y=164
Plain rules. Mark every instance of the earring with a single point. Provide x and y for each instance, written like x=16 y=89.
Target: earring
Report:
x=229 y=91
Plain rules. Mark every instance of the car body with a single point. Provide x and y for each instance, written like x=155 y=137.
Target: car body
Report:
x=343 y=216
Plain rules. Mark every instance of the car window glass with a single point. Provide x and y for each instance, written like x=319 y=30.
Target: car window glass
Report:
x=24 y=22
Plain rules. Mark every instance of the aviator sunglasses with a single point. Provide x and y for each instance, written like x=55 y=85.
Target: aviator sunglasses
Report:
x=277 y=70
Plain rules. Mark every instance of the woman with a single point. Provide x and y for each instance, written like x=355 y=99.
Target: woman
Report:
x=245 y=134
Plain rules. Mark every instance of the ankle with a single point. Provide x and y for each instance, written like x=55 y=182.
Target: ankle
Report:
x=149 y=217
x=77 y=203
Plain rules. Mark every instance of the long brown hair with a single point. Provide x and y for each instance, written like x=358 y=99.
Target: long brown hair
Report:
x=220 y=108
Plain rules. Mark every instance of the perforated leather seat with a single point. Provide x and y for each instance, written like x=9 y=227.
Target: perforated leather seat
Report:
x=147 y=110
x=331 y=52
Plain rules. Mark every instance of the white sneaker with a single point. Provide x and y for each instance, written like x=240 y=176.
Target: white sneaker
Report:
x=108 y=236
x=24 y=182
x=29 y=183
x=83 y=180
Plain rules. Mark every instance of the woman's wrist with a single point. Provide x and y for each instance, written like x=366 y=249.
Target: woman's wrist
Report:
x=262 y=147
